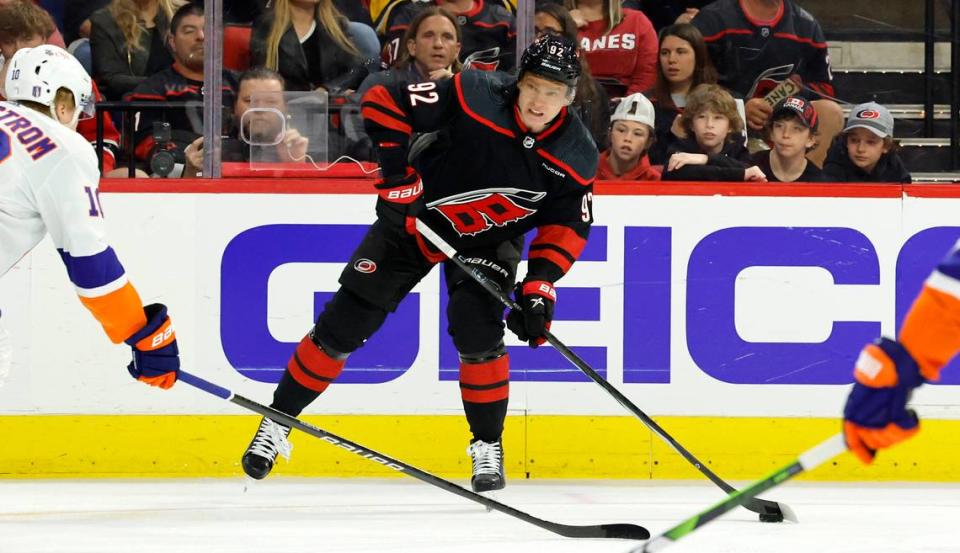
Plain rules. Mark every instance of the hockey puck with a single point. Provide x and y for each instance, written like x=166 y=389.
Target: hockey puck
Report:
x=771 y=517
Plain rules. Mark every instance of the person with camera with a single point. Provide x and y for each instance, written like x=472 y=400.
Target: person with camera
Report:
x=162 y=135
x=256 y=120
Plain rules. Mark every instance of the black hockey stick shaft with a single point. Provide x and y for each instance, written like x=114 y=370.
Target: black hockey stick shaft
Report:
x=622 y=531
x=809 y=460
x=764 y=507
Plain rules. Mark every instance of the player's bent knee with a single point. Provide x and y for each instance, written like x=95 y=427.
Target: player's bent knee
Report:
x=347 y=321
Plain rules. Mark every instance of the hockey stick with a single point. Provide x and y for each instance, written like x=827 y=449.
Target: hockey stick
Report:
x=770 y=511
x=807 y=461
x=621 y=531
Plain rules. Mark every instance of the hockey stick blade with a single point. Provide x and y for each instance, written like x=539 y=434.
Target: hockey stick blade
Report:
x=809 y=460
x=769 y=511
x=621 y=531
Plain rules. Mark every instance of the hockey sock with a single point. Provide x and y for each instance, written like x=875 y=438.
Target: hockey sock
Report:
x=485 y=390
x=309 y=372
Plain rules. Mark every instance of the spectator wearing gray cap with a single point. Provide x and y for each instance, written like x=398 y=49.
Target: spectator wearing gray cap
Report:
x=865 y=151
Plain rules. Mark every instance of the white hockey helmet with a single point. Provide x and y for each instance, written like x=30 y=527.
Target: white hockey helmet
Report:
x=35 y=75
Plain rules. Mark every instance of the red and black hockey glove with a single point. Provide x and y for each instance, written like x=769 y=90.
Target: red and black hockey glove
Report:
x=876 y=414
x=537 y=299
x=401 y=196
x=156 y=359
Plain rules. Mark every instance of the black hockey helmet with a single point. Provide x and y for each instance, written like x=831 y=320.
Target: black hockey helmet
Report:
x=552 y=57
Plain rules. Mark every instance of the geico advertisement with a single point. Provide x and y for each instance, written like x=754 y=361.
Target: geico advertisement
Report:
x=703 y=305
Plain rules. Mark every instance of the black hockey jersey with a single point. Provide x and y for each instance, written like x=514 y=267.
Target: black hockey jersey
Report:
x=489 y=33
x=753 y=56
x=488 y=179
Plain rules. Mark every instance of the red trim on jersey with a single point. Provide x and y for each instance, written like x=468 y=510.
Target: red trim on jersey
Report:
x=385 y=120
x=398 y=28
x=457 y=84
x=380 y=96
x=562 y=237
x=760 y=22
x=552 y=256
x=556 y=125
x=474 y=10
x=564 y=166
x=726 y=32
x=800 y=39
x=142 y=96
x=492 y=25
x=824 y=89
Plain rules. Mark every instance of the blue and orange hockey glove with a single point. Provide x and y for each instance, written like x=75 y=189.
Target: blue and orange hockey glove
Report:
x=401 y=197
x=876 y=414
x=537 y=299
x=156 y=359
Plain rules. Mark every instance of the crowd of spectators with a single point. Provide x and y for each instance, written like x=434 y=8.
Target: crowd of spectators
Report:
x=732 y=90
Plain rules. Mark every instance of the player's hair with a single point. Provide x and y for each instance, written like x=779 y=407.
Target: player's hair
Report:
x=612 y=12
x=715 y=98
x=404 y=57
x=183 y=11
x=63 y=96
x=126 y=13
x=785 y=115
x=24 y=20
x=328 y=19
x=703 y=70
x=260 y=74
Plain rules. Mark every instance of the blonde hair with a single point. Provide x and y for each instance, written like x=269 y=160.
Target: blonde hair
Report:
x=326 y=14
x=716 y=99
x=127 y=15
x=612 y=12
x=63 y=96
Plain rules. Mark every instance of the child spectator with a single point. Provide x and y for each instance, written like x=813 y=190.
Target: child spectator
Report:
x=620 y=44
x=714 y=148
x=792 y=130
x=431 y=45
x=309 y=44
x=590 y=102
x=631 y=135
x=683 y=64
x=127 y=39
x=865 y=151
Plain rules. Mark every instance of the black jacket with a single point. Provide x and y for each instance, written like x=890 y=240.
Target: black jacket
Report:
x=491 y=179
x=839 y=168
x=729 y=165
x=338 y=69
x=118 y=70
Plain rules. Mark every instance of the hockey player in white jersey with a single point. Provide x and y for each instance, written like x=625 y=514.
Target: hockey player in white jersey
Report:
x=48 y=184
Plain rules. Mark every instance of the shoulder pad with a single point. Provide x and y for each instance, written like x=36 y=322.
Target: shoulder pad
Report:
x=575 y=151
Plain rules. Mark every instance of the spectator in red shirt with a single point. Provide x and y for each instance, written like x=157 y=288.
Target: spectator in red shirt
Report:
x=620 y=44
x=631 y=135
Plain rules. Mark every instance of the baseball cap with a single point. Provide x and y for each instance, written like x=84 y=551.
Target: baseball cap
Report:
x=873 y=117
x=800 y=107
x=634 y=107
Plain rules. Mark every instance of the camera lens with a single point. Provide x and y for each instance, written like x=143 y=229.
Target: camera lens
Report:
x=162 y=163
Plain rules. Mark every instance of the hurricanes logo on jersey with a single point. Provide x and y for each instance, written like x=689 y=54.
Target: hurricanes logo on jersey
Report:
x=471 y=213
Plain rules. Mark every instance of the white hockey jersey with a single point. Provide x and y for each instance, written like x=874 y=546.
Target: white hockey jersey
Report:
x=49 y=184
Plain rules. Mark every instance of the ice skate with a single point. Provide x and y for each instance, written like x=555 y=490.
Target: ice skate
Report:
x=488 y=474
x=269 y=441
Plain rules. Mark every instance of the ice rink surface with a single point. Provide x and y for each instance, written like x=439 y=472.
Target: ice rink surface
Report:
x=404 y=516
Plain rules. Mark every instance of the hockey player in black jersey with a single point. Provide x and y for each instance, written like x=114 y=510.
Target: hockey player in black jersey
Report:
x=508 y=157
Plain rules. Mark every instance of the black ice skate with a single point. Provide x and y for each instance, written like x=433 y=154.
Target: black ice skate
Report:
x=488 y=472
x=270 y=440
